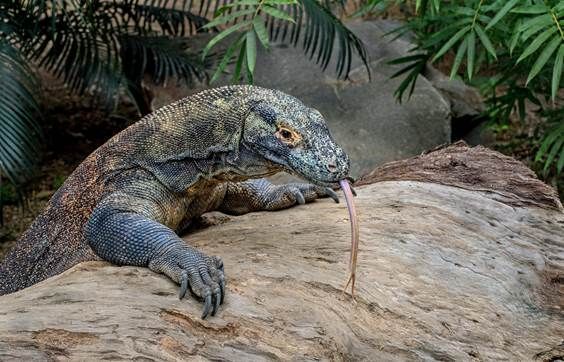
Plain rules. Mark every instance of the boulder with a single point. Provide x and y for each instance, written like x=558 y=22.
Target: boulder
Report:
x=462 y=269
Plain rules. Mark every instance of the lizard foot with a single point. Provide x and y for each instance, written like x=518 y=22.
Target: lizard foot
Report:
x=301 y=193
x=191 y=268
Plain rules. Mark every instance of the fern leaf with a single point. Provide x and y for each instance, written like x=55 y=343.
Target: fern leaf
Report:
x=543 y=57
x=535 y=44
x=557 y=72
x=19 y=131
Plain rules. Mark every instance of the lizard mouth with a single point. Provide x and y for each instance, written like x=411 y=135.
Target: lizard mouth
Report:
x=334 y=183
x=283 y=165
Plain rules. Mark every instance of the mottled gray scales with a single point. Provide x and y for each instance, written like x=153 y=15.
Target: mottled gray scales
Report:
x=128 y=200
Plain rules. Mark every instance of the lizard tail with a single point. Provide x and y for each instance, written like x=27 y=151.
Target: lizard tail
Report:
x=55 y=240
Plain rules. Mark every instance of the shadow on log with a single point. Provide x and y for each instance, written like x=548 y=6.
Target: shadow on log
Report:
x=472 y=272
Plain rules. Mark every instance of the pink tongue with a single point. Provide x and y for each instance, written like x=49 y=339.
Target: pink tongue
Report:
x=354 y=234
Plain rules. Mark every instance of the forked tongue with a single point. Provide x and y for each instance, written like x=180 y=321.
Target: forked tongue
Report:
x=345 y=186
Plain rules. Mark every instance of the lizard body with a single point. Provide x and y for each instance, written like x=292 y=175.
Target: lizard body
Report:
x=126 y=202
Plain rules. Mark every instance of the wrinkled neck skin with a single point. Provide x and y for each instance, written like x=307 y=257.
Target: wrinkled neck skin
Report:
x=220 y=164
x=241 y=165
x=191 y=140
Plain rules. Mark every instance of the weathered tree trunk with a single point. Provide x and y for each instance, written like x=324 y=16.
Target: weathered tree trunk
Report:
x=472 y=272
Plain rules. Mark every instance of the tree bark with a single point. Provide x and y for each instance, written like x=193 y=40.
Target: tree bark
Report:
x=465 y=272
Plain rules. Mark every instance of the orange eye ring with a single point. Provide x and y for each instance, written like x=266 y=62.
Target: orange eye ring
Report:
x=288 y=136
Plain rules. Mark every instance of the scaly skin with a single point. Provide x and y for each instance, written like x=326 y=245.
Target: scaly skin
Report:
x=128 y=200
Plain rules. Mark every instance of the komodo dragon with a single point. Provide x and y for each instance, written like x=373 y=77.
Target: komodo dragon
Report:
x=128 y=200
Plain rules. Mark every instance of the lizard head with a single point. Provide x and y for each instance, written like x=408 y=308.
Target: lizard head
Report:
x=294 y=137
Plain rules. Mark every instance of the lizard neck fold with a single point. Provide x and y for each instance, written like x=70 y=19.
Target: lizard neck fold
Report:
x=198 y=137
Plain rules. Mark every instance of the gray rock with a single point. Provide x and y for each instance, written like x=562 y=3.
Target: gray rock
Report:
x=467 y=107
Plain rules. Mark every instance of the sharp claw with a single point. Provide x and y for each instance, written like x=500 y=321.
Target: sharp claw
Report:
x=332 y=194
x=353 y=190
x=217 y=302
x=300 y=198
x=207 y=306
x=222 y=289
x=183 y=286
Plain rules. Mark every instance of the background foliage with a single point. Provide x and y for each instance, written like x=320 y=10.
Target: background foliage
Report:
x=512 y=50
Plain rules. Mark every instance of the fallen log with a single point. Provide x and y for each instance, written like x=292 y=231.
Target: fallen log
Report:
x=448 y=269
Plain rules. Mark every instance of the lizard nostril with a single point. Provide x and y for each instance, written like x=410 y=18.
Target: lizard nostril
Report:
x=332 y=167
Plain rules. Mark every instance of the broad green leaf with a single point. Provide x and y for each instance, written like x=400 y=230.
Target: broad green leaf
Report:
x=459 y=55
x=463 y=10
x=531 y=9
x=260 y=29
x=250 y=78
x=451 y=42
x=515 y=37
x=227 y=18
x=544 y=56
x=471 y=54
x=532 y=26
x=485 y=40
x=548 y=140
x=557 y=72
x=484 y=18
x=239 y=64
x=445 y=33
x=553 y=151
x=226 y=58
x=539 y=19
x=251 y=51
x=501 y=13
x=277 y=13
x=535 y=44
x=560 y=164
x=219 y=37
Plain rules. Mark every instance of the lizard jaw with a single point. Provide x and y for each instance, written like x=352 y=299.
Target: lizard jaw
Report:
x=282 y=164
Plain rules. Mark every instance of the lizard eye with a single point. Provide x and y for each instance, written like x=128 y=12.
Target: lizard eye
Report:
x=287 y=136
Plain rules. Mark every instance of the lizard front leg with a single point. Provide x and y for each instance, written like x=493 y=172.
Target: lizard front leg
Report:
x=124 y=229
x=261 y=195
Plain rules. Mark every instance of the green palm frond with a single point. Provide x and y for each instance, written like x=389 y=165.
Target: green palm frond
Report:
x=164 y=16
x=104 y=45
x=309 y=22
x=19 y=130
x=83 y=55
x=162 y=57
x=551 y=150
x=321 y=30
